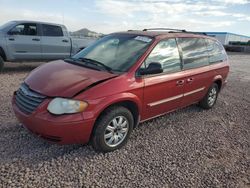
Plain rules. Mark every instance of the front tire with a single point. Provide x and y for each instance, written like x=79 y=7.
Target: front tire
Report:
x=112 y=129
x=211 y=97
x=1 y=63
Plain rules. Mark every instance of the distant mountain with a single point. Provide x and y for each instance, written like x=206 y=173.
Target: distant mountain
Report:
x=85 y=33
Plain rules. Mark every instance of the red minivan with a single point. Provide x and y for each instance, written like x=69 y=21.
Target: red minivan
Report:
x=102 y=93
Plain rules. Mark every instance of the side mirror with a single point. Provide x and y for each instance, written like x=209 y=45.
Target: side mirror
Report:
x=13 y=32
x=153 y=68
x=10 y=33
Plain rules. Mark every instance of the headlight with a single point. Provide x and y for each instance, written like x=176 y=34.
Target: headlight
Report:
x=66 y=106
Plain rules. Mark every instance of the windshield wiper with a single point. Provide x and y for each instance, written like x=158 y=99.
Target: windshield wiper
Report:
x=79 y=62
x=96 y=63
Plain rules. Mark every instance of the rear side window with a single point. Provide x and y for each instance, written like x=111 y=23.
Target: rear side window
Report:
x=194 y=51
x=52 y=30
x=24 y=29
x=166 y=53
x=216 y=51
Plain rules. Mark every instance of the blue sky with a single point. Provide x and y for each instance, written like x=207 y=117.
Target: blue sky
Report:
x=115 y=15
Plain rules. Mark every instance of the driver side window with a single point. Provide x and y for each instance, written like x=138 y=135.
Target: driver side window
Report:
x=166 y=53
x=24 y=29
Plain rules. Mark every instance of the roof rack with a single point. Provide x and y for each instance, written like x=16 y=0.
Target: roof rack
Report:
x=175 y=30
x=165 y=29
x=192 y=32
x=196 y=32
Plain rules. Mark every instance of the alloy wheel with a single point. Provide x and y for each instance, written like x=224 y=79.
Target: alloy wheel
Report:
x=116 y=131
x=212 y=97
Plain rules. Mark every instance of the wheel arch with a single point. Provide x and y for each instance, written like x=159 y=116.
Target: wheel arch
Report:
x=131 y=104
x=2 y=54
x=218 y=81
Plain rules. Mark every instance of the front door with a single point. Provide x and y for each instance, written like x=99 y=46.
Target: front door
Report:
x=24 y=42
x=163 y=92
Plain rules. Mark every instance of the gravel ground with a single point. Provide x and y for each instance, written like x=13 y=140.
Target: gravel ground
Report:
x=187 y=148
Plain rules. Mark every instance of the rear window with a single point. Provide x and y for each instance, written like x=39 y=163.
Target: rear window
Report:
x=52 y=31
x=216 y=51
x=194 y=51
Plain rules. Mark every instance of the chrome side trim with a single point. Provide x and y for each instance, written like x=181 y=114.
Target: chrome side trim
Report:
x=175 y=97
x=194 y=91
x=165 y=113
x=165 y=100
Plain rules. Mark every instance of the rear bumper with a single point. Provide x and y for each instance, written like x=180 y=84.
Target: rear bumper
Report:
x=42 y=124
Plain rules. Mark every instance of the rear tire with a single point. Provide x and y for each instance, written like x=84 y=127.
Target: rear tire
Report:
x=1 y=63
x=211 y=97
x=112 y=129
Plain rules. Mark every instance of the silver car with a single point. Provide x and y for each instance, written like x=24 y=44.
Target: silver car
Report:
x=37 y=41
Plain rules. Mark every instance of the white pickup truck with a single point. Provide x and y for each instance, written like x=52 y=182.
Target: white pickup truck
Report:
x=37 y=41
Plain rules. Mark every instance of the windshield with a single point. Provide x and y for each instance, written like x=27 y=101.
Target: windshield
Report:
x=6 y=25
x=116 y=51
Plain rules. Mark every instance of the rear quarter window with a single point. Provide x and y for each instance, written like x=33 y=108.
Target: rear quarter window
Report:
x=216 y=52
x=194 y=52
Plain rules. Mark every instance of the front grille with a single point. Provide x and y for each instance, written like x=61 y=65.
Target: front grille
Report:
x=28 y=100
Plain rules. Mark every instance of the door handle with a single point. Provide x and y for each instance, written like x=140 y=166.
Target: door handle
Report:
x=189 y=80
x=12 y=39
x=180 y=82
x=65 y=40
x=36 y=39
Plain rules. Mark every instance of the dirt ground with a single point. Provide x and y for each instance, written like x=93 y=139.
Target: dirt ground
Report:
x=187 y=148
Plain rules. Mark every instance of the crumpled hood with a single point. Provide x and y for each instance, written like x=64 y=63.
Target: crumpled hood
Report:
x=61 y=79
